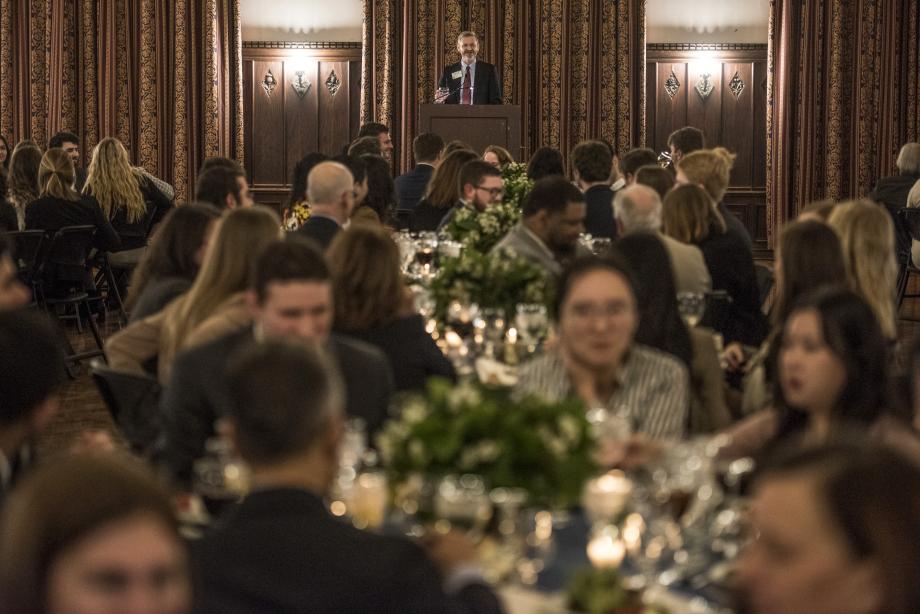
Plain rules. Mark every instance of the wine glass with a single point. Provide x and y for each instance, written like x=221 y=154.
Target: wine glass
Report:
x=601 y=245
x=462 y=502
x=532 y=324
x=425 y=249
x=220 y=477
x=691 y=305
x=460 y=317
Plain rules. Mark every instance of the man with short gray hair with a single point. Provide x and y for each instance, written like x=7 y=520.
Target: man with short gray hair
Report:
x=469 y=81
x=637 y=208
x=892 y=192
x=330 y=192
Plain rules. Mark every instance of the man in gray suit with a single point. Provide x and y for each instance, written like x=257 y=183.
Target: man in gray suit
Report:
x=554 y=215
x=637 y=208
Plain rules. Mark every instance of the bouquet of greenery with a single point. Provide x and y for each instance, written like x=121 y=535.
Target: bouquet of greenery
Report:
x=481 y=231
x=600 y=591
x=517 y=184
x=541 y=447
x=491 y=280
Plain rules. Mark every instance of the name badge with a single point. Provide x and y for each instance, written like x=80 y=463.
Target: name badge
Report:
x=457 y=75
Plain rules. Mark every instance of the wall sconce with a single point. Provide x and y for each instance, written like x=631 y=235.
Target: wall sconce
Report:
x=301 y=84
x=707 y=66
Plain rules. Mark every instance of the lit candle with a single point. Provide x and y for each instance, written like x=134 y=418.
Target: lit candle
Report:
x=605 y=550
x=453 y=339
x=606 y=496
x=368 y=500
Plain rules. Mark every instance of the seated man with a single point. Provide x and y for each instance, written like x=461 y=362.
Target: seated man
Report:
x=597 y=360
x=223 y=186
x=281 y=550
x=892 y=192
x=291 y=296
x=411 y=186
x=554 y=216
x=633 y=160
x=637 y=208
x=592 y=161
x=31 y=369
x=331 y=194
x=481 y=185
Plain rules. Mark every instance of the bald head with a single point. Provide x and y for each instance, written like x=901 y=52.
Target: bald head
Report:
x=637 y=208
x=328 y=182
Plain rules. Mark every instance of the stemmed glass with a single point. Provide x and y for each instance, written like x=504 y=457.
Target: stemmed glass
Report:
x=220 y=477
x=532 y=324
x=692 y=306
x=463 y=502
x=425 y=249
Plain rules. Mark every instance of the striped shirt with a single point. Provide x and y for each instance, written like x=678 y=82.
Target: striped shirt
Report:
x=652 y=388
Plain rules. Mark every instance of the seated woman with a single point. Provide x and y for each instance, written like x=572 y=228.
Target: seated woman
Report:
x=214 y=306
x=22 y=179
x=92 y=534
x=808 y=256
x=598 y=359
x=169 y=267
x=372 y=304
x=867 y=235
x=442 y=193
x=836 y=531
x=497 y=156
x=545 y=162
x=128 y=198
x=690 y=216
x=58 y=206
x=661 y=327
x=832 y=374
x=379 y=203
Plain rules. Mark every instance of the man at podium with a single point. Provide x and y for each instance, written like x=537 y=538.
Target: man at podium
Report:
x=469 y=81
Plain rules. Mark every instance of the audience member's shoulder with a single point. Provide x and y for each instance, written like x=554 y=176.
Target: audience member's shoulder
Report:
x=352 y=349
x=662 y=363
x=217 y=348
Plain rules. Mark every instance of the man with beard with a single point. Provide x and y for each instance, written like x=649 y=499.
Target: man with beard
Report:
x=469 y=81
x=553 y=217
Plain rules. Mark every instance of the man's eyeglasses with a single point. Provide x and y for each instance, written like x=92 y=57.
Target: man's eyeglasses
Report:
x=494 y=192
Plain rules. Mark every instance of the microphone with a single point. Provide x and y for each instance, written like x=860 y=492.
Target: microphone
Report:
x=450 y=92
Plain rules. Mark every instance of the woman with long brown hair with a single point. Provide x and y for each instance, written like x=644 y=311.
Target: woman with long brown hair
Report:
x=22 y=180
x=443 y=191
x=126 y=196
x=215 y=305
x=373 y=304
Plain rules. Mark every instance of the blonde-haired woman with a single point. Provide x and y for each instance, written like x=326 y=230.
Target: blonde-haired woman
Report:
x=711 y=169
x=22 y=180
x=690 y=216
x=60 y=205
x=214 y=306
x=867 y=236
x=129 y=199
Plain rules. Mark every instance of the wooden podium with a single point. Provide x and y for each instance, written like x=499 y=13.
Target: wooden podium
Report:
x=478 y=125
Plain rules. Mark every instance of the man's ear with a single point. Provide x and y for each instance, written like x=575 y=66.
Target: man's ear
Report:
x=229 y=201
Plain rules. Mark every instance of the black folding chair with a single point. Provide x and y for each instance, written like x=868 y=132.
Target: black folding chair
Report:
x=765 y=281
x=27 y=245
x=62 y=273
x=909 y=220
x=133 y=402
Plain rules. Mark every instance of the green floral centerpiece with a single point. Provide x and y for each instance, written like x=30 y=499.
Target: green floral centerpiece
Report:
x=481 y=231
x=601 y=591
x=491 y=280
x=541 y=447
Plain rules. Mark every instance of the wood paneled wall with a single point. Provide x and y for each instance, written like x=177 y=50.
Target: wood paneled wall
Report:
x=280 y=125
x=733 y=115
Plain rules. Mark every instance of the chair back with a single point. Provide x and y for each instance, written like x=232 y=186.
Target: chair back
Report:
x=67 y=252
x=909 y=217
x=133 y=401
x=765 y=281
x=27 y=246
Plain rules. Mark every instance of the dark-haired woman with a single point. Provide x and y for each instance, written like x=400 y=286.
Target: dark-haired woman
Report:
x=661 y=327
x=443 y=191
x=545 y=162
x=172 y=261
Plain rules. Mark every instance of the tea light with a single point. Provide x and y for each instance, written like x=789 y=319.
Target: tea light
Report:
x=368 y=500
x=605 y=550
x=606 y=496
x=453 y=339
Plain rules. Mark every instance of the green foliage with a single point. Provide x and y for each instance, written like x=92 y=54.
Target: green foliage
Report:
x=544 y=448
x=600 y=591
x=491 y=280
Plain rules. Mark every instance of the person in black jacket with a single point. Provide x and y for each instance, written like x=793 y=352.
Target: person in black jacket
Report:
x=411 y=186
x=592 y=161
x=291 y=296
x=892 y=192
x=8 y=220
x=469 y=81
x=443 y=192
x=373 y=304
x=130 y=200
x=690 y=216
x=281 y=550
x=59 y=206
x=330 y=192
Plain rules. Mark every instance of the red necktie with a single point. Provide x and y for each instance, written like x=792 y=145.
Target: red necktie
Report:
x=467 y=97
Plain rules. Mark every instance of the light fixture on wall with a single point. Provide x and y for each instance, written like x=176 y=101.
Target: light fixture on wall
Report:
x=300 y=84
x=707 y=66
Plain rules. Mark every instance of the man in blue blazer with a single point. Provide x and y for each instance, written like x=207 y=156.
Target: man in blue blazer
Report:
x=469 y=81
x=411 y=186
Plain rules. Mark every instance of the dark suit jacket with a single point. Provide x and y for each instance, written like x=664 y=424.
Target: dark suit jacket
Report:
x=736 y=226
x=281 y=552
x=892 y=192
x=427 y=217
x=8 y=220
x=599 y=219
x=486 y=89
x=320 y=229
x=196 y=394
x=731 y=266
x=411 y=186
x=80 y=175
x=134 y=234
x=413 y=354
